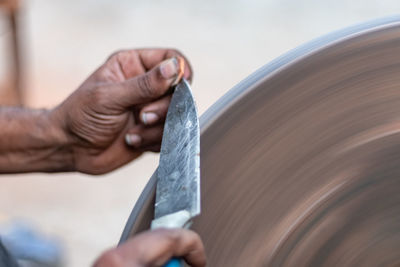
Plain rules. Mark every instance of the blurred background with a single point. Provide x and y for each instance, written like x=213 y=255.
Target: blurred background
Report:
x=61 y=42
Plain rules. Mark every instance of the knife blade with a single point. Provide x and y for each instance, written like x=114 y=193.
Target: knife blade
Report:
x=178 y=173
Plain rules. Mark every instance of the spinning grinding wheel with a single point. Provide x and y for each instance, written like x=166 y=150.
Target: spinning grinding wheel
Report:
x=301 y=161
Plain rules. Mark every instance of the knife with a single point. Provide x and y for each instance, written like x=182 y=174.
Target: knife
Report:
x=178 y=173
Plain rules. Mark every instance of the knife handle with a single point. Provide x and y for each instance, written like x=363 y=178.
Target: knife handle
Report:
x=174 y=262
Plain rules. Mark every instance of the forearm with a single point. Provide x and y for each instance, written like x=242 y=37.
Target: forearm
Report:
x=32 y=141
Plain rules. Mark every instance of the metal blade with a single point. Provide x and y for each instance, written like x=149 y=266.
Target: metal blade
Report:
x=178 y=186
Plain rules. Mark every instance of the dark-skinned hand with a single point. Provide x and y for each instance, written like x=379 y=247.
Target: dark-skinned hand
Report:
x=155 y=248
x=119 y=111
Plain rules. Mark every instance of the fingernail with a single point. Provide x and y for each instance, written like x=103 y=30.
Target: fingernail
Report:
x=181 y=70
x=133 y=139
x=149 y=118
x=169 y=68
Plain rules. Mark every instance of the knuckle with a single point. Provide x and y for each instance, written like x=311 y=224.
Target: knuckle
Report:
x=115 y=55
x=119 y=55
x=193 y=239
x=172 y=235
x=109 y=258
x=146 y=89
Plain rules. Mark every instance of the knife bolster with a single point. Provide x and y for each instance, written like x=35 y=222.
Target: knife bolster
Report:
x=179 y=219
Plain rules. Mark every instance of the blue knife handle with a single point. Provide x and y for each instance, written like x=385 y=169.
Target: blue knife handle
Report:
x=175 y=262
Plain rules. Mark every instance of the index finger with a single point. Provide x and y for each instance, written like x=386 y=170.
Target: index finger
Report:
x=156 y=247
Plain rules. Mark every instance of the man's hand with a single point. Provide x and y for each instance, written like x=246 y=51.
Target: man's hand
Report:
x=111 y=119
x=119 y=111
x=155 y=248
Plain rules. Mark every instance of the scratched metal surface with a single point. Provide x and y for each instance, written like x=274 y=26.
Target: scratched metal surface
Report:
x=178 y=173
x=301 y=161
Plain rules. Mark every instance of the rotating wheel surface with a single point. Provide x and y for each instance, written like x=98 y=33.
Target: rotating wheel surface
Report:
x=300 y=162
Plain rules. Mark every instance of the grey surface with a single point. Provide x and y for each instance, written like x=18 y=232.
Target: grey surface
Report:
x=178 y=174
x=256 y=109
x=242 y=88
x=208 y=119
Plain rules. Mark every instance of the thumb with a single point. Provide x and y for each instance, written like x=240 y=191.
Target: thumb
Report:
x=152 y=84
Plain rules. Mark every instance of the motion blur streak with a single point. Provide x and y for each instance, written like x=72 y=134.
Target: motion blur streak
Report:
x=301 y=163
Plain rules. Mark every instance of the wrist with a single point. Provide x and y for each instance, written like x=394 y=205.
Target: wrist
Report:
x=55 y=120
x=59 y=139
x=33 y=141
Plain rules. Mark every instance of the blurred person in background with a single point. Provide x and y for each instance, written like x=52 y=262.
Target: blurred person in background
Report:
x=117 y=114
